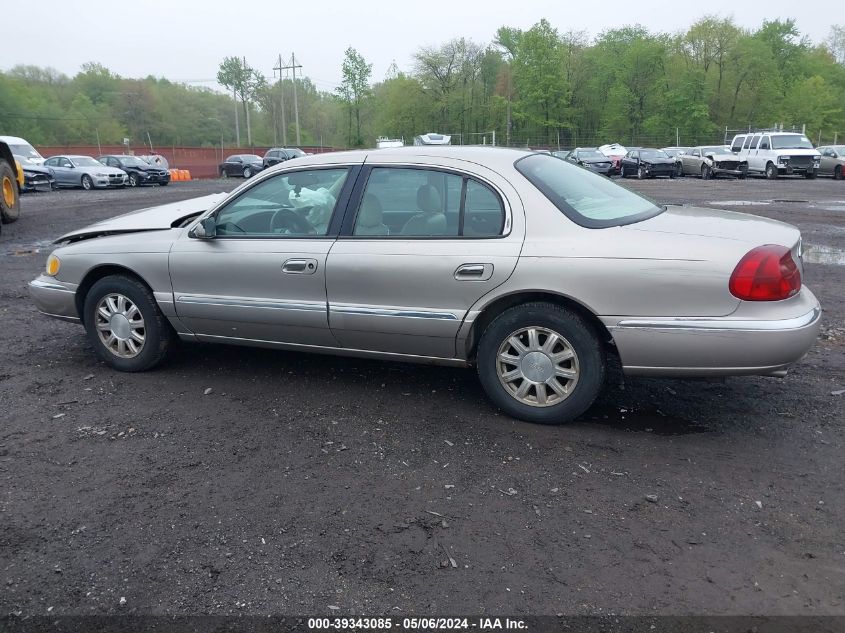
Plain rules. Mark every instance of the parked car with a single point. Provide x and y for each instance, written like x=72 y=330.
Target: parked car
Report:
x=615 y=152
x=776 y=154
x=277 y=155
x=675 y=153
x=139 y=172
x=833 y=160
x=85 y=172
x=592 y=159
x=523 y=265
x=562 y=154
x=711 y=161
x=36 y=177
x=647 y=162
x=244 y=165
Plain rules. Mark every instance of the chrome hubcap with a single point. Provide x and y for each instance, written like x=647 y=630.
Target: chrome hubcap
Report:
x=537 y=366
x=120 y=326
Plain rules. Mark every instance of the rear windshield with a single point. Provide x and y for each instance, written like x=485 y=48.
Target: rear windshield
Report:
x=653 y=153
x=586 y=198
x=591 y=153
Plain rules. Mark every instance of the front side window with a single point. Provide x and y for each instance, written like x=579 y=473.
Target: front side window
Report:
x=86 y=161
x=295 y=204
x=737 y=144
x=764 y=143
x=586 y=198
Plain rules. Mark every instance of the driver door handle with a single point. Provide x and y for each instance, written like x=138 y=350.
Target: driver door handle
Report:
x=300 y=266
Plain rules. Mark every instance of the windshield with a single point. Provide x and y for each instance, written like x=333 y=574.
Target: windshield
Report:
x=715 y=149
x=653 y=153
x=131 y=161
x=297 y=152
x=790 y=141
x=250 y=158
x=26 y=151
x=591 y=153
x=85 y=161
x=839 y=149
x=584 y=197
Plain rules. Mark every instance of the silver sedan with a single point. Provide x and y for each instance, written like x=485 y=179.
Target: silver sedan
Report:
x=85 y=172
x=528 y=268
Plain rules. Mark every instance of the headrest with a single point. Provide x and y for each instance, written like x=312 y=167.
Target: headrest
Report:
x=428 y=199
x=371 y=212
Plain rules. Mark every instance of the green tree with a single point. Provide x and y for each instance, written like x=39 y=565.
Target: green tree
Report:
x=354 y=89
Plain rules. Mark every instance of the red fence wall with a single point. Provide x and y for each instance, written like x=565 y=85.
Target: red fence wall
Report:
x=202 y=162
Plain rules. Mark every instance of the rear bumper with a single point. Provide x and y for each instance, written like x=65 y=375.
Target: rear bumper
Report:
x=54 y=298
x=715 y=346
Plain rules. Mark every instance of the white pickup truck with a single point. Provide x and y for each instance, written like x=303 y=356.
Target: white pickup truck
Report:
x=777 y=153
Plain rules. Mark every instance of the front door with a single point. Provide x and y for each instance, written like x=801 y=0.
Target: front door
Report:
x=263 y=276
x=424 y=245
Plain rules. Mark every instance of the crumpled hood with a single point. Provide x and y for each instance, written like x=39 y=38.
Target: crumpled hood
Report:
x=152 y=218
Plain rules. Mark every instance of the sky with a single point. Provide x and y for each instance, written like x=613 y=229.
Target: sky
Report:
x=185 y=40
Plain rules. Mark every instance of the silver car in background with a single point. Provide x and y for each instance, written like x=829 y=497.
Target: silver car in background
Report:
x=518 y=263
x=711 y=161
x=85 y=172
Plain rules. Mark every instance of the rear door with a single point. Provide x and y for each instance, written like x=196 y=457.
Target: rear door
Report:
x=420 y=245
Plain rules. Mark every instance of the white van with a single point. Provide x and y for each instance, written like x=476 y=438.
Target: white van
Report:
x=777 y=153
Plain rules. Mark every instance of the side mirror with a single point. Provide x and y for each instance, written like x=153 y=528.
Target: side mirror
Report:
x=206 y=229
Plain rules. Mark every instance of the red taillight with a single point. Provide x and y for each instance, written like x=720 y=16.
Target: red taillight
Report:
x=766 y=273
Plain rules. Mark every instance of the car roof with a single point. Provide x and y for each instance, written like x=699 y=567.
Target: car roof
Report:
x=14 y=140
x=493 y=157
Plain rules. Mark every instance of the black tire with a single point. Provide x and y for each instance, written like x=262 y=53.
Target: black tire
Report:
x=771 y=171
x=837 y=173
x=224 y=173
x=809 y=175
x=164 y=183
x=705 y=172
x=672 y=176
x=579 y=335
x=133 y=180
x=622 y=171
x=86 y=182
x=247 y=172
x=640 y=172
x=679 y=170
x=743 y=173
x=10 y=200
x=158 y=334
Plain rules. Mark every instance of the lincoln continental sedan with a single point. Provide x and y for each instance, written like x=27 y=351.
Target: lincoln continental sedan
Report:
x=528 y=268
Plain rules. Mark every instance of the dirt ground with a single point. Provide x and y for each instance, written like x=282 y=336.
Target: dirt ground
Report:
x=321 y=485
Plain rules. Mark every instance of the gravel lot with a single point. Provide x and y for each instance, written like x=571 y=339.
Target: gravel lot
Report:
x=301 y=483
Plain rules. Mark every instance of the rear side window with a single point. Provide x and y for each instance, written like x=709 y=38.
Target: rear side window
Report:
x=754 y=142
x=747 y=143
x=737 y=144
x=587 y=199
x=411 y=202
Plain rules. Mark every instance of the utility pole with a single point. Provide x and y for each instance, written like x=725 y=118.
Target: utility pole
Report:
x=248 y=129
x=280 y=68
x=293 y=66
x=237 y=127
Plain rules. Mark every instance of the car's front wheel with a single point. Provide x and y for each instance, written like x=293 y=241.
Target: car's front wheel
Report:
x=133 y=180
x=247 y=172
x=125 y=325
x=541 y=362
x=771 y=171
x=837 y=173
x=86 y=182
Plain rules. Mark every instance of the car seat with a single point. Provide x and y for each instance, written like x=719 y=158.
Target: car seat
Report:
x=432 y=220
x=370 y=217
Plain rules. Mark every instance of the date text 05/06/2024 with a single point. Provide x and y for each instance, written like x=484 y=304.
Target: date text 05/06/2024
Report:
x=419 y=623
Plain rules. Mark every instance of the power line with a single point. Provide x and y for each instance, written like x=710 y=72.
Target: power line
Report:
x=293 y=66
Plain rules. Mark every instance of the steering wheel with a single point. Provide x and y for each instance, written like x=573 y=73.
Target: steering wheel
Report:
x=286 y=221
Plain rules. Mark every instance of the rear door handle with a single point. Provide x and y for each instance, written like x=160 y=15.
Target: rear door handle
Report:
x=300 y=266
x=474 y=272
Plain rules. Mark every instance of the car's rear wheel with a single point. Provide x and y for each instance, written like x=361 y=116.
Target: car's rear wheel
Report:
x=247 y=172
x=86 y=182
x=125 y=325
x=133 y=180
x=837 y=173
x=771 y=171
x=541 y=362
